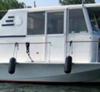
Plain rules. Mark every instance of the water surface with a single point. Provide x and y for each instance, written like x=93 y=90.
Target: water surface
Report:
x=17 y=87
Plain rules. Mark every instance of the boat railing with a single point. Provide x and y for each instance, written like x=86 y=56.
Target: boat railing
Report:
x=12 y=43
x=88 y=50
x=16 y=49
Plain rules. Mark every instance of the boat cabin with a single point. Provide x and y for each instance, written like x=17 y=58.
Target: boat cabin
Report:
x=49 y=35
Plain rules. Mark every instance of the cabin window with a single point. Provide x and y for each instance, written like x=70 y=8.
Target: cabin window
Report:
x=55 y=22
x=76 y=21
x=2 y=13
x=36 y=22
x=94 y=14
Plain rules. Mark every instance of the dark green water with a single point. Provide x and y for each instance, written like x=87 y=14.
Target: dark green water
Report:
x=16 y=87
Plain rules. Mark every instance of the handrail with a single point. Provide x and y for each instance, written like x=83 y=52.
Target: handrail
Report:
x=42 y=42
x=10 y=43
x=81 y=41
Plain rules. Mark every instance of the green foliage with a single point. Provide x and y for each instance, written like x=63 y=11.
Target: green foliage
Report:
x=10 y=4
x=67 y=2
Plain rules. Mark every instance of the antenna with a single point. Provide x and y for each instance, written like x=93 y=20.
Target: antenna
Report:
x=83 y=1
x=34 y=3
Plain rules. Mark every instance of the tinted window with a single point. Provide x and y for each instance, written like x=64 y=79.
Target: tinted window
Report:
x=36 y=22
x=55 y=22
x=76 y=21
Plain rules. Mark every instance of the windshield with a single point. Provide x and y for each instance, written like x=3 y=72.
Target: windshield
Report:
x=94 y=15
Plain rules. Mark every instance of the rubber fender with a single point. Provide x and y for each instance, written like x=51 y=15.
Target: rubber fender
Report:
x=12 y=65
x=68 y=64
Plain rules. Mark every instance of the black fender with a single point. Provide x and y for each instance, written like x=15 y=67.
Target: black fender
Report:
x=68 y=64
x=12 y=65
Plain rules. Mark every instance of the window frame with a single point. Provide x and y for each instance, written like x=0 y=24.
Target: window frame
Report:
x=55 y=11
x=86 y=31
x=93 y=20
x=44 y=23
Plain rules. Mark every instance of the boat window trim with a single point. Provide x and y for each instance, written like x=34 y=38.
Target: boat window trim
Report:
x=87 y=19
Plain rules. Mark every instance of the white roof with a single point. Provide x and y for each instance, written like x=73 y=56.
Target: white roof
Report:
x=60 y=7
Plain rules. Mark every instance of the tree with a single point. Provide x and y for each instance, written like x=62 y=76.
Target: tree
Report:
x=10 y=4
x=67 y=2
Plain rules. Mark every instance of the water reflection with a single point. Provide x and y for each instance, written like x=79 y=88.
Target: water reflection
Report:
x=16 y=87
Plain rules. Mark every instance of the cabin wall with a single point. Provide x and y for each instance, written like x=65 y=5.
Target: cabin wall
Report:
x=13 y=28
x=81 y=48
x=79 y=38
x=44 y=48
x=55 y=50
x=14 y=23
x=53 y=35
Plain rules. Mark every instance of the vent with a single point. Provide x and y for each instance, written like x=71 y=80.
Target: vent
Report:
x=11 y=17
x=7 y=24
x=9 y=21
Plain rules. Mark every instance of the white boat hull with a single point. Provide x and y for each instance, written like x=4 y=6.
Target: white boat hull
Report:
x=50 y=73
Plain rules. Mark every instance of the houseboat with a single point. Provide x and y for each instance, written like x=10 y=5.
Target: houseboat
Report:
x=58 y=44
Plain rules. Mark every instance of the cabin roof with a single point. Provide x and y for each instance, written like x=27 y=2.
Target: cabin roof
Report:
x=59 y=7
